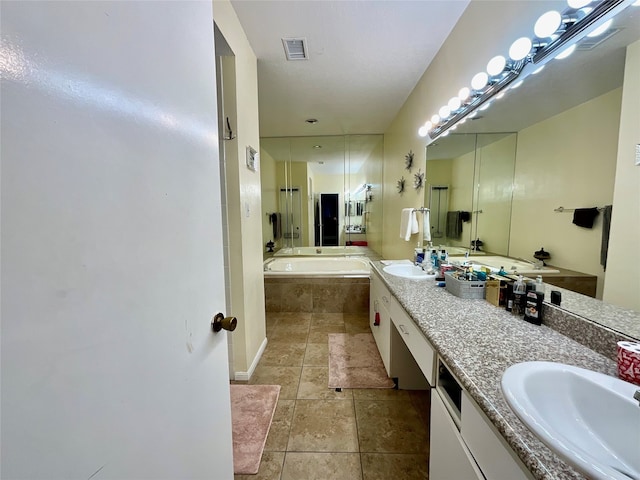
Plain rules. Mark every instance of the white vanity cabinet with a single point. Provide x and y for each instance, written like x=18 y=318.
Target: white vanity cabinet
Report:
x=449 y=458
x=464 y=443
x=380 y=319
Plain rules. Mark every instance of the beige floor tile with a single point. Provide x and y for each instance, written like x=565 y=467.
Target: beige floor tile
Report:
x=289 y=334
x=323 y=426
x=287 y=377
x=357 y=328
x=321 y=466
x=327 y=319
x=317 y=355
x=380 y=394
x=286 y=354
x=280 y=426
x=314 y=385
x=270 y=467
x=293 y=318
x=318 y=333
x=390 y=427
x=385 y=466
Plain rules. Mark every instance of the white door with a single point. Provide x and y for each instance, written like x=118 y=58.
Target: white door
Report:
x=111 y=243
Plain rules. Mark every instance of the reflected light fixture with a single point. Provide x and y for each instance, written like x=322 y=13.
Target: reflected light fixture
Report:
x=556 y=36
x=566 y=52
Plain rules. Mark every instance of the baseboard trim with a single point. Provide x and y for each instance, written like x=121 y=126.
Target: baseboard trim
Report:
x=245 y=376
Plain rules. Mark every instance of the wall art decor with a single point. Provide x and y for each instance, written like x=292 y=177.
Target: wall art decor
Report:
x=418 y=180
x=408 y=160
x=401 y=186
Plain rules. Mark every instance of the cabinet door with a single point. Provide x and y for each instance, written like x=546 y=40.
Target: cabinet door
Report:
x=421 y=349
x=379 y=303
x=496 y=458
x=449 y=458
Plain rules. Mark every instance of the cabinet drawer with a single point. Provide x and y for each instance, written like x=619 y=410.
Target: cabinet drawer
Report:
x=421 y=349
x=494 y=456
x=449 y=458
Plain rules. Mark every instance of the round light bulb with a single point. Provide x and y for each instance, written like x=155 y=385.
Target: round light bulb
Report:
x=577 y=4
x=601 y=29
x=435 y=119
x=547 y=24
x=422 y=131
x=444 y=111
x=479 y=81
x=454 y=103
x=566 y=52
x=520 y=48
x=428 y=125
x=464 y=93
x=496 y=65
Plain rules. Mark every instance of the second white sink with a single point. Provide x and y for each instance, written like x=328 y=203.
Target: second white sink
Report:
x=589 y=419
x=406 y=270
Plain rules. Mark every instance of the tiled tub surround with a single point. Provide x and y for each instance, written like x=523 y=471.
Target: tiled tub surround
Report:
x=479 y=342
x=317 y=295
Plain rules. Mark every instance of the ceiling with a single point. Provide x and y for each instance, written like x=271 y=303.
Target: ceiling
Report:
x=365 y=58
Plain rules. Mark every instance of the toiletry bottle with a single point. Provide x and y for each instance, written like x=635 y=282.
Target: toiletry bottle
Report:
x=519 y=292
x=443 y=257
x=533 y=309
x=509 y=297
x=540 y=285
x=434 y=259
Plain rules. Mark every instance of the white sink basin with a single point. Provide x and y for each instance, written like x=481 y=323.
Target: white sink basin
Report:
x=589 y=419
x=406 y=270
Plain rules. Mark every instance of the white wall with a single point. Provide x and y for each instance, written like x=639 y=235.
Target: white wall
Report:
x=244 y=200
x=622 y=283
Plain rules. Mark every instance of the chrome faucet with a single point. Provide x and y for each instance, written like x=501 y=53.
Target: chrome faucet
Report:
x=636 y=396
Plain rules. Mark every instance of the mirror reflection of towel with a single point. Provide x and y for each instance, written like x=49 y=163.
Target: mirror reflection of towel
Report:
x=454 y=224
x=606 y=227
x=584 y=217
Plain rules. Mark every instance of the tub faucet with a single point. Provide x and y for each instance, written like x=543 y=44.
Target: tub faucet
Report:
x=537 y=264
x=636 y=396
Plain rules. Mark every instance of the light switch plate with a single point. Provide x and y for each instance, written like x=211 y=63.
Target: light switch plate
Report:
x=637 y=154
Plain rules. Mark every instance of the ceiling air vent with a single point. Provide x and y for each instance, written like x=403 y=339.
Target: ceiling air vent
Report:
x=295 y=48
x=588 y=43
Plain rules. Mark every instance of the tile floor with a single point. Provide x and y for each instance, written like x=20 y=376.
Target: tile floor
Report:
x=320 y=434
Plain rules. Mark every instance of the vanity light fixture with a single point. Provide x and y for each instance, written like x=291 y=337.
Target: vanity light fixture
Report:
x=556 y=36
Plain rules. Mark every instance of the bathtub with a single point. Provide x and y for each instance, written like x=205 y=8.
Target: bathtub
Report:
x=321 y=251
x=317 y=267
x=317 y=284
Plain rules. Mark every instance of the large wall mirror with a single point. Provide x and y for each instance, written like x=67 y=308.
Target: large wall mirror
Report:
x=322 y=191
x=567 y=120
x=469 y=191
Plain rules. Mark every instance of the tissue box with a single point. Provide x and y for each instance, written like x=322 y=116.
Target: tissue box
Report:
x=463 y=288
x=496 y=290
x=629 y=362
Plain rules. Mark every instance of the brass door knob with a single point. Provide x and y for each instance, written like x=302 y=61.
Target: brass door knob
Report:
x=220 y=321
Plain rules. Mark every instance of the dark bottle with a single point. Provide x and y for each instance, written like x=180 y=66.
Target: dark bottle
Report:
x=509 y=297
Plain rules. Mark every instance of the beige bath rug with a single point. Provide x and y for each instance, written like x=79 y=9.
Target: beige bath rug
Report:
x=252 y=409
x=354 y=362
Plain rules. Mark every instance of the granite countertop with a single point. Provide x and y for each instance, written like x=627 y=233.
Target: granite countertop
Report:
x=479 y=341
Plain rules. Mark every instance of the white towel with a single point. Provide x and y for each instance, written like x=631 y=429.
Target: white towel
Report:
x=408 y=223
x=426 y=226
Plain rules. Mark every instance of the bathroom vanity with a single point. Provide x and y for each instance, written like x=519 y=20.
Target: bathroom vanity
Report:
x=461 y=348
